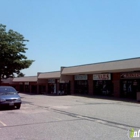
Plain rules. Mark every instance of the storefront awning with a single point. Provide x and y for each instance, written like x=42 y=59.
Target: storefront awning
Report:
x=49 y=75
x=25 y=79
x=112 y=66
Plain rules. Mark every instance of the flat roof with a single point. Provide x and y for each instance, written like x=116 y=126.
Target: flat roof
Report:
x=25 y=79
x=8 y=80
x=49 y=75
x=131 y=64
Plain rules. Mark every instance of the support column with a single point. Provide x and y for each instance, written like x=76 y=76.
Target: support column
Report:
x=72 y=86
x=30 y=88
x=24 y=87
x=116 y=88
x=90 y=84
x=37 y=89
x=57 y=86
x=47 y=87
x=116 y=84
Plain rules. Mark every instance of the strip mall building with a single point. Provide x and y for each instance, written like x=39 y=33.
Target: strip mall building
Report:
x=115 y=78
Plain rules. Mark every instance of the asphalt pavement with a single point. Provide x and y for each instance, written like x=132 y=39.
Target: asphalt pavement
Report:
x=43 y=117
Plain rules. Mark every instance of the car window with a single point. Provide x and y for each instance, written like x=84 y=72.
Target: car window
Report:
x=7 y=90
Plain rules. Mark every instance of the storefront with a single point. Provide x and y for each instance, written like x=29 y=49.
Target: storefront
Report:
x=21 y=87
x=130 y=85
x=81 y=84
x=52 y=86
x=42 y=89
x=102 y=84
x=34 y=88
x=64 y=87
x=26 y=87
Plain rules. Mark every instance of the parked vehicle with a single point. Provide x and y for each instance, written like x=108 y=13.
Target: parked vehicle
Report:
x=9 y=97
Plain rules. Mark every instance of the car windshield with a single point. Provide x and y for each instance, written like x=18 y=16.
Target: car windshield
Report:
x=7 y=91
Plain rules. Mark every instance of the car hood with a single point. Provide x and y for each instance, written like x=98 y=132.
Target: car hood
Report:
x=9 y=96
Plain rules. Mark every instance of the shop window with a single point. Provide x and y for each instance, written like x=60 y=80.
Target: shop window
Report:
x=34 y=89
x=27 y=89
x=129 y=88
x=103 y=87
x=64 y=88
x=42 y=89
x=81 y=86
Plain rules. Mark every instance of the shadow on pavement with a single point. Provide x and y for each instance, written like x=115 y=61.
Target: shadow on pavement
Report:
x=7 y=108
x=88 y=96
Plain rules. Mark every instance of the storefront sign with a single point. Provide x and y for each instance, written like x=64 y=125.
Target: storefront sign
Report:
x=80 y=77
x=51 y=80
x=130 y=75
x=101 y=76
x=26 y=83
x=64 y=82
x=20 y=83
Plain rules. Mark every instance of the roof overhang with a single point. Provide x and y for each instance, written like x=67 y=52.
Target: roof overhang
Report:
x=106 y=67
x=49 y=75
x=25 y=79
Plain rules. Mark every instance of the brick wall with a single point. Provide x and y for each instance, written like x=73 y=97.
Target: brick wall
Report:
x=116 y=83
x=90 y=84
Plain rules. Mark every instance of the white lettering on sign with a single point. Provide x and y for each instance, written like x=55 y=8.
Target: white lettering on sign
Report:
x=130 y=75
x=101 y=76
x=80 y=77
x=26 y=83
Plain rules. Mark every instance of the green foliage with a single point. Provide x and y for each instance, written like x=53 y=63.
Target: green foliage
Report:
x=20 y=74
x=12 y=53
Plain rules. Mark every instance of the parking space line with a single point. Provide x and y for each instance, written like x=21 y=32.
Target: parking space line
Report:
x=3 y=123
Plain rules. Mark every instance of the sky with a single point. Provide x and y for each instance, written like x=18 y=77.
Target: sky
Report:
x=74 y=32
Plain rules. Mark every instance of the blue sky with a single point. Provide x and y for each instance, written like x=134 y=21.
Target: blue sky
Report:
x=74 y=32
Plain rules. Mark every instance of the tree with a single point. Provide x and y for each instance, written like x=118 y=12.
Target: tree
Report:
x=20 y=75
x=12 y=53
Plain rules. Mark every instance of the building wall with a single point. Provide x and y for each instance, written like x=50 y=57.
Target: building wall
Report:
x=116 y=84
x=90 y=84
x=40 y=84
x=69 y=78
x=7 y=81
x=33 y=87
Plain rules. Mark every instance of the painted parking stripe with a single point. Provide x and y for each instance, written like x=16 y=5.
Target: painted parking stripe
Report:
x=3 y=123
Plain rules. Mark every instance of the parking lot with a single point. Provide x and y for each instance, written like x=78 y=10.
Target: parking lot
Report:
x=43 y=117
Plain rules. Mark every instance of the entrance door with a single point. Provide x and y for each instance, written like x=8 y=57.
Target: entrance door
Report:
x=103 y=87
x=129 y=88
x=64 y=88
x=51 y=88
x=21 y=88
x=34 y=89
x=27 y=88
x=81 y=86
x=42 y=89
